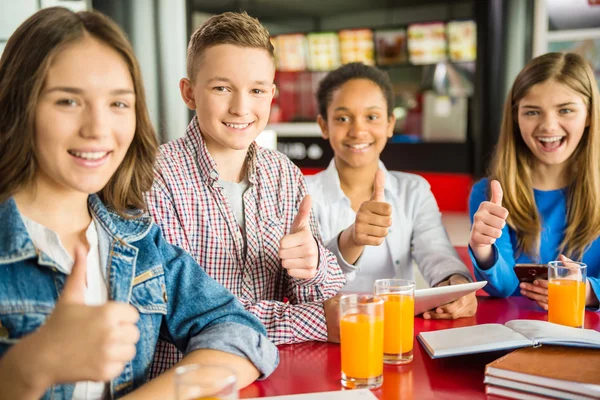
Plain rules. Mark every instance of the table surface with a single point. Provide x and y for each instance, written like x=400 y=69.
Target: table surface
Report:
x=315 y=366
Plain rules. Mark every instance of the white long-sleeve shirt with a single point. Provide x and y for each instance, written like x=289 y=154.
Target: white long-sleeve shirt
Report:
x=417 y=232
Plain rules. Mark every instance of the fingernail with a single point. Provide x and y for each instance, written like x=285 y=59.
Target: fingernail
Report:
x=522 y=286
x=523 y=292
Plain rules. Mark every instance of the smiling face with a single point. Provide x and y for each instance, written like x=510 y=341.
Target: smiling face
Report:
x=85 y=118
x=231 y=94
x=552 y=118
x=357 y=124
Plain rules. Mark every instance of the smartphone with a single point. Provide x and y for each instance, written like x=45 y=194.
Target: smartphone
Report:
x=530 y=272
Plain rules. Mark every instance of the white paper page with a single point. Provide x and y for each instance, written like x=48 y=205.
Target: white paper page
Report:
x=549 y=333
x=472 y=339
x=356 y=394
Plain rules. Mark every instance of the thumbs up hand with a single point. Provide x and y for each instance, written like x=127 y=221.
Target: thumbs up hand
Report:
x=373 y=218
x=488 y=222
x=80 y=342
x=371 y=225
x=298 y=249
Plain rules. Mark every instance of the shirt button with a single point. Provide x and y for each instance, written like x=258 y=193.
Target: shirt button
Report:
x=214 y=174
x=397 y=262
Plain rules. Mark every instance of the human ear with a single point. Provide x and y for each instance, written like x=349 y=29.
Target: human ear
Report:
x=391 y=125
x=187 y=93
x=323 y=125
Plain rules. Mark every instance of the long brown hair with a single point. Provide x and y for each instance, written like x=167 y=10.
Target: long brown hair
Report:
x=23 y=69
x=512 y=161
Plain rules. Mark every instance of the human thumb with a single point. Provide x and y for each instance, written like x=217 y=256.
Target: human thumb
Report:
x=302 y=218
x=378 y=186
x=76 y=283
x=496 y=192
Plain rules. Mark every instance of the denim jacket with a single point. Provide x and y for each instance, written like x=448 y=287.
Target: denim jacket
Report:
x=175 y=299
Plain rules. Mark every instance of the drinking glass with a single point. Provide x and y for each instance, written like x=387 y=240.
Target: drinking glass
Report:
x=566 y=292
x=205 y=382
x=361 y=341
x=399 y=308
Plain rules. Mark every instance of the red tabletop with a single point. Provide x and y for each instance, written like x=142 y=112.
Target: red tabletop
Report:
x=315 y=366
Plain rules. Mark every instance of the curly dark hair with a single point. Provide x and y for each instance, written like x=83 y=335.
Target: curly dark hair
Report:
x=335 y=79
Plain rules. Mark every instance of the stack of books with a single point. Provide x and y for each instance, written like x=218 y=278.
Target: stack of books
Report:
x=545 y=372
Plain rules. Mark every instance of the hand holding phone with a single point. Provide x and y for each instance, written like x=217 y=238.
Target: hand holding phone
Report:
x=530 y=272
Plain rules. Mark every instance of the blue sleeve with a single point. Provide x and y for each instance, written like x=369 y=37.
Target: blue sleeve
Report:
x=501 y=278
x=595 y=284
x=202 y=314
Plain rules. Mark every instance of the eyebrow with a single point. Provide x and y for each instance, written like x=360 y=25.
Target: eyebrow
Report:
x=221 y=79
x=347 y=109
x=81 y=91
x=571 y=103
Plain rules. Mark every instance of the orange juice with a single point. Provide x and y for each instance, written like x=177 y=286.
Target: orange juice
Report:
x=566 y=302
x=361 y=338
x=398 y=311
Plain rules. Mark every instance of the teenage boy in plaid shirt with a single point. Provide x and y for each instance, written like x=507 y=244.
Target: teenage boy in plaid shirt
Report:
x=240 y=210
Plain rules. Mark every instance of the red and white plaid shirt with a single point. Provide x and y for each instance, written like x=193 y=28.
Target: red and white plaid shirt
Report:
x=194 y=214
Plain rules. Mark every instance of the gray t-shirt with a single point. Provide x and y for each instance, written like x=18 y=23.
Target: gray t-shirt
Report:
x=234 y=192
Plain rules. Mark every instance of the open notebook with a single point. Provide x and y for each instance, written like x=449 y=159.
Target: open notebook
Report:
x=514 y=334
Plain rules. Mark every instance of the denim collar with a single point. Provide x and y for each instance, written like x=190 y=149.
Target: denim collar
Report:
x=16 y=245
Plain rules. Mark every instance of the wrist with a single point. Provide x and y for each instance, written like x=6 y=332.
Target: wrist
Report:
x=349 y=249
x=23 y=369
x=591 y=299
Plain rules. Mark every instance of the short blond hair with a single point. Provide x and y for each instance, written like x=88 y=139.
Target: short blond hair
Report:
x=238 y=29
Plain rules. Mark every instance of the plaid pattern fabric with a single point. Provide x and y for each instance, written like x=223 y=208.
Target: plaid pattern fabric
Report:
x=194 y=214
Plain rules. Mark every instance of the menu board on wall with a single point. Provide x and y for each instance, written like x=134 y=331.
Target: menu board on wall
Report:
x=290 y=52
x=356 y=45
x=390 y=46
x=427 y=43
x=462 y=40
x=323 y=51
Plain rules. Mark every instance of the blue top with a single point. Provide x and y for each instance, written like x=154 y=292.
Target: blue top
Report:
x=552 y=207
x=175 y=298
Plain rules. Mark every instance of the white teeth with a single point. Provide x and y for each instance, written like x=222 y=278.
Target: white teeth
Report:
x=237 y=126
x=550 y=139
x=359 y=146
x=96 y=155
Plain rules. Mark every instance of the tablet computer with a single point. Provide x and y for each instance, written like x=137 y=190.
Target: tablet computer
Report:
x=426 y=299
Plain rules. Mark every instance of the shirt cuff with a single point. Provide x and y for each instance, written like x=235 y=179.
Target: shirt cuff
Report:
x=241 y=340
x=333 y=245
x=595 y=286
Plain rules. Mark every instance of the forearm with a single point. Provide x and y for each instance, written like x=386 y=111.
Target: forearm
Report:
x=21 y=372
x=591 y=298
x=484 y=256
x=288 y=323
x=348 y=248
x=163 y=386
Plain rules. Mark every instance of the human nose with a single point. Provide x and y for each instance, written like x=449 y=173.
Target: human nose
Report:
x=96 y=123
x=358 y=128
x=239 y=104
x=549 y=123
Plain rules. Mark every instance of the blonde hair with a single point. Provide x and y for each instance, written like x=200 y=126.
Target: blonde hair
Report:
x=23 y=68
x=238 y=29
x=512 y=161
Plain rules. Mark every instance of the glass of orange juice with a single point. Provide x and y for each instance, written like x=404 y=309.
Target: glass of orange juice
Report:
x=205 y=382
x=399 y=308
x=566 y=292
x=361 y=341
